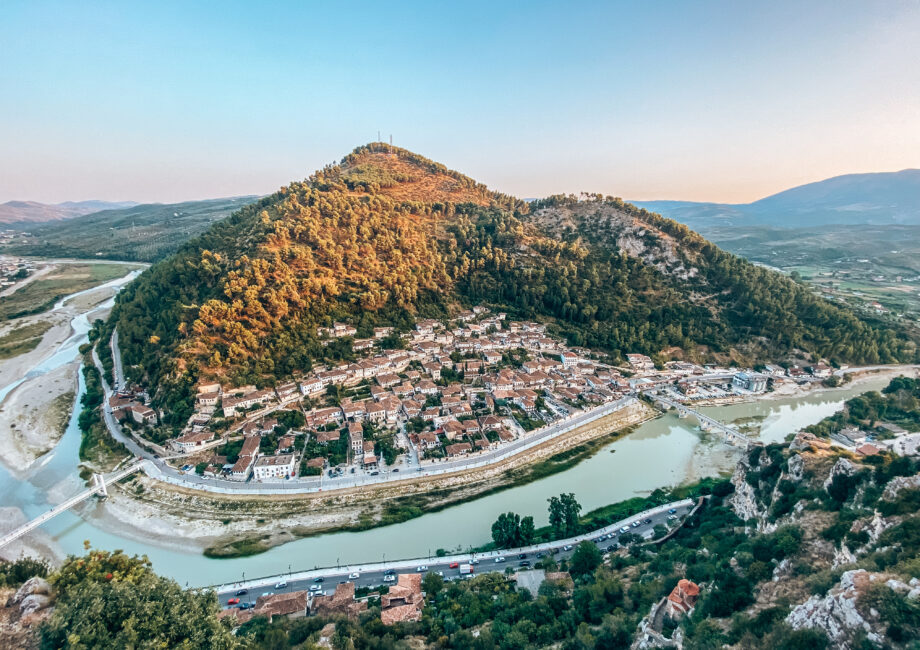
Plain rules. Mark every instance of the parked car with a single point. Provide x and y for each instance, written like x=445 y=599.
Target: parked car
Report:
x=648 y=521
x=524 y=563
x=672 y=511
x=245 y=605
x=422 y=569
x=319 y=579
x=354 y=576
x=281 y=585
x=636 y=524
x=242 y=592
x=453 y=565
x=624 y=529
x=499 y=559
x=389 y=578
x=522 y=556
x=233 y=601
x=672 y=517
x=315 y=588
x=567 y=547
x=390 y=572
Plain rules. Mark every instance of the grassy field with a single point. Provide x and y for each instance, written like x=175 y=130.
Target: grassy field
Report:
x=40 y=295
x=22 y=339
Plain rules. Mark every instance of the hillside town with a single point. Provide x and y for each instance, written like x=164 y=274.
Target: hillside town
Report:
x=451 y=389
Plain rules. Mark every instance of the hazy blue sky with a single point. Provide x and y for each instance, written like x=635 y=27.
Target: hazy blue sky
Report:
x=721 y=101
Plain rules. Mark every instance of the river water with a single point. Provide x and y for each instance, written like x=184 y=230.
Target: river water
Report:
x=666 y=451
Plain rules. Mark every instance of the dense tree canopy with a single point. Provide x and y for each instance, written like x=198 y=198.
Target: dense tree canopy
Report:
x=388 y=236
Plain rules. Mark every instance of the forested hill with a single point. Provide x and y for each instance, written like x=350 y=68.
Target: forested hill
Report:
x=387 y=236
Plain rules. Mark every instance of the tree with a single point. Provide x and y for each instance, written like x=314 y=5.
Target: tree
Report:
x=586 y=558
x=564 y=511
x=556 y=517
x=506 y=531
x=112 y=600
x=432 y=584
x=528 y=532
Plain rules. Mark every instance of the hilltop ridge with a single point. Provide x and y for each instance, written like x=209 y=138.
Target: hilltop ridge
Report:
x=388 y=236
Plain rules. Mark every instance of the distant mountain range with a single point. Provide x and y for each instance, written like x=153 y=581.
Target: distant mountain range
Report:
x=872 y=199
x=35 y=212
x=138 y=232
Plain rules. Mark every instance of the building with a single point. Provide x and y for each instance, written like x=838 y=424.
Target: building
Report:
x=682 y=599
x=404 y=600
x=356 y=438
x=293 y=604
x=640 y=362
x=279 y=466
x=750 y=381
x=243 y=465
x=143 y=414
x=191 y=441
x=341 y=602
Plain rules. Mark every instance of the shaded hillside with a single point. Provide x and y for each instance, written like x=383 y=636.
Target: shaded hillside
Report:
x=143 y=233
x=388 y=235
x=28 y=212
x=873 y=199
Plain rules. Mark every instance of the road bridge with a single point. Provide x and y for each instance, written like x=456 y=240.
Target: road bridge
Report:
x=732 y=435
x=98 y=485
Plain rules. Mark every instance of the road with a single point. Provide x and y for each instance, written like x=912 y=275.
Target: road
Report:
x=116 y=357
x=372 y=574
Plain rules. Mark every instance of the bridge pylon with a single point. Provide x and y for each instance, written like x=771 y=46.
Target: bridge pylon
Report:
x=99 y=481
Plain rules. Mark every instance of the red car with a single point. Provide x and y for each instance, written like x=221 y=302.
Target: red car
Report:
x=454 y=565
x=233 y=601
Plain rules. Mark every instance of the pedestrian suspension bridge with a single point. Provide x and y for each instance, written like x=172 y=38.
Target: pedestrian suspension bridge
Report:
x=98 y=485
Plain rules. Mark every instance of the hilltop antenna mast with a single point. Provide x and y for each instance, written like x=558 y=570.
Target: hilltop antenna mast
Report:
x=391 y=139
x=378 y=135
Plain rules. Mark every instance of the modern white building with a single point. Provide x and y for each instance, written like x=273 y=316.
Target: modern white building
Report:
x=279 y=466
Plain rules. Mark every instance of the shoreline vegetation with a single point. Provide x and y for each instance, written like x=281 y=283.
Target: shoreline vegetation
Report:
x=402 y=509
x=97 y=446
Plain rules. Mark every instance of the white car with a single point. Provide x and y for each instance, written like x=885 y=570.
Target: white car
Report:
x=624 y=529
x=389 y=578
x=422 y=569
x=672 y=517
x=567 y=547
x=354 y=576
x=281 y=585
x=315 y=588
x=499 y=559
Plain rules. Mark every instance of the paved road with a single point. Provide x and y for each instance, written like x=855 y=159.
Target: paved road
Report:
x=373 y=574
x=116 y=356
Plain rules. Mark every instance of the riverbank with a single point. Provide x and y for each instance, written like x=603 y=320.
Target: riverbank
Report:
x=234 y=526
x=34 y=417
x=40 y=395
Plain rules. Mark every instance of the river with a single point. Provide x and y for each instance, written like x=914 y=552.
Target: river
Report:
x=663 y=452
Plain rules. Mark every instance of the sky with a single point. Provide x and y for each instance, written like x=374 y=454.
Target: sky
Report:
x=720 y=101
